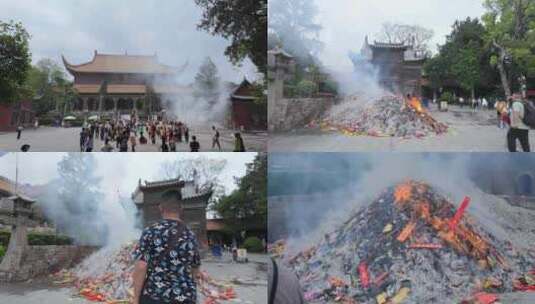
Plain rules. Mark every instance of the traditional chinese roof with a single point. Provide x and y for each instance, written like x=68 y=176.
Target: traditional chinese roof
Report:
x=243 y=91
x=110 y=63
x=164 y=183
x=279 y=51
x=385 y=45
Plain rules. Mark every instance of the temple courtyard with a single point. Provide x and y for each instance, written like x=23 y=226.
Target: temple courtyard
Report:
x=248 y=279
x=469 y=131
x=50 y=139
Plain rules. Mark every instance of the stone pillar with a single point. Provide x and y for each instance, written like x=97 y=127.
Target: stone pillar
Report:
x=11 y=263
x=85 y=105
x=115 y=100
x=101 y=100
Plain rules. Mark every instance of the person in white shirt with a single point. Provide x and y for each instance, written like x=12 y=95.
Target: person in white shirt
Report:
x=518 y=130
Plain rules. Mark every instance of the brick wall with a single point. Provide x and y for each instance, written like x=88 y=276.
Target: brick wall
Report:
x=290 y=113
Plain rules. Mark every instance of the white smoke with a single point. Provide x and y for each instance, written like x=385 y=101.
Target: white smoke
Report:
x=452 y=176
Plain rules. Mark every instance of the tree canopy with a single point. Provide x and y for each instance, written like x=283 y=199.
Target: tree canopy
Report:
x=243 y=22
x=246 y=207
x=15 y=61
x=207 y=82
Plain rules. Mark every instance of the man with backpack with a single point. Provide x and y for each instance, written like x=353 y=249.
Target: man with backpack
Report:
x=521 y=119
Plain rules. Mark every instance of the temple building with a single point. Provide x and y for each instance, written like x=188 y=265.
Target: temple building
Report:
x=398 y=65
x=148 y=196
x=112 y=85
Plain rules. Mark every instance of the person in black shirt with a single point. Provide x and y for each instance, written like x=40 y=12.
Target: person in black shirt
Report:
x=194 y=144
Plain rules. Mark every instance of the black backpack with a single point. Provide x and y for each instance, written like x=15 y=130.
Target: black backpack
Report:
x=529 y=114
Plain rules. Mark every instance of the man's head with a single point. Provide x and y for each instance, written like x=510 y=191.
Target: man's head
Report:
x=213 y=128
x=170 y=204
x=194 y=138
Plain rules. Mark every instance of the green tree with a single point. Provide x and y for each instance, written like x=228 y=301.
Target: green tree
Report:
x=15 y=60
x=49 y=86
x=243 y=22
x=464 y=58
x=206 y=85
x=246 y=207
x=510 y=28
x=466 y=68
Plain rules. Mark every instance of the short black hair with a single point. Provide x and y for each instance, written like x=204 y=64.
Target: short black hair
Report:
x=171 y=201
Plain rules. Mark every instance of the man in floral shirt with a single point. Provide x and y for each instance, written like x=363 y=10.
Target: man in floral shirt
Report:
x=167 y=259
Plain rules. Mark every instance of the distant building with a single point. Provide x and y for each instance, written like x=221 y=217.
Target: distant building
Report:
x=245 y=110
x=123 y=84
x=398 y=65
x=148 y=196
x=12 y=115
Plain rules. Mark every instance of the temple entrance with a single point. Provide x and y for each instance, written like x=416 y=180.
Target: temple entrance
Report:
x=109 y=104
x=125 y=104
x=92 y=104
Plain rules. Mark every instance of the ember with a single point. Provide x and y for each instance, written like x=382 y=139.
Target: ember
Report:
x=409 y=245
x=388 y=116
x=106 y=277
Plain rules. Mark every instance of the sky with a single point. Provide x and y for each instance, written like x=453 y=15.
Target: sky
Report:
x=120 y=171
x=168 y=28
x=347 y=22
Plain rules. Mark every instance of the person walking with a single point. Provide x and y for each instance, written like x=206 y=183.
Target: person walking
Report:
x=215 y=139
x=19 y=131
x=123 y=142
x=194 y=144
x=88 y=143
x=518 y=129
x=167 y=258
x=82 y=140
x=238 y=143
x=133 y=141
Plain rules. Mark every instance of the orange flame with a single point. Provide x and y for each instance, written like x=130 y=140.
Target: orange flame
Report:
x=403 y=192
x=415 y=104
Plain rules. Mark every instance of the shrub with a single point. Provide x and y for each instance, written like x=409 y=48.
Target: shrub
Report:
x=2 y=252
x=306 y=88
x=253 y=244
x=447 y=96
x=38 y=239
x=4 y=238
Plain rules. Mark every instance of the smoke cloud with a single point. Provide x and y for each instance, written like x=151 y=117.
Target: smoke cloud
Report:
x=455 y=176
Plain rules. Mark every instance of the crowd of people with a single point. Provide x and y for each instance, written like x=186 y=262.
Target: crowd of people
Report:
x=126 y=135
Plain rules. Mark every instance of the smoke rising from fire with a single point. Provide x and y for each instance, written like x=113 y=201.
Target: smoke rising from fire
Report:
x=453 y=175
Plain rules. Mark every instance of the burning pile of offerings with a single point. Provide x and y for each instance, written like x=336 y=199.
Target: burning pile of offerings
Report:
x=389 y=116
x=410 y=245
x=106 y=276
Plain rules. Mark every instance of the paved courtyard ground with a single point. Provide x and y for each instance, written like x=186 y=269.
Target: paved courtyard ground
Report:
x=51 y=139
x=248 y=279
x=469 y=131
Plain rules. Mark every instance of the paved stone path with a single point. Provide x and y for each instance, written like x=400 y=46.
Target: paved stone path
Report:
x=469 y=132
x=50 y=139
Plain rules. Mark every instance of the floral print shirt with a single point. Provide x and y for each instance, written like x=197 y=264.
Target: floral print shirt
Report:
x=169 y=276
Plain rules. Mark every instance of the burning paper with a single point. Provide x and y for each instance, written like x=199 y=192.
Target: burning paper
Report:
x=388 y=116
x=106 y=276
x=421 y=258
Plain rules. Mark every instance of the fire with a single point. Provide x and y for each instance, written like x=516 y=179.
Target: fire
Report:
x=403 y=192
x=462 y=238
x=415 y=104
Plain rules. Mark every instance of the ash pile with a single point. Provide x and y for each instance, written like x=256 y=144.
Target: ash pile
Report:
x=411 y=245
x=388 y=116
x=106 y=276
